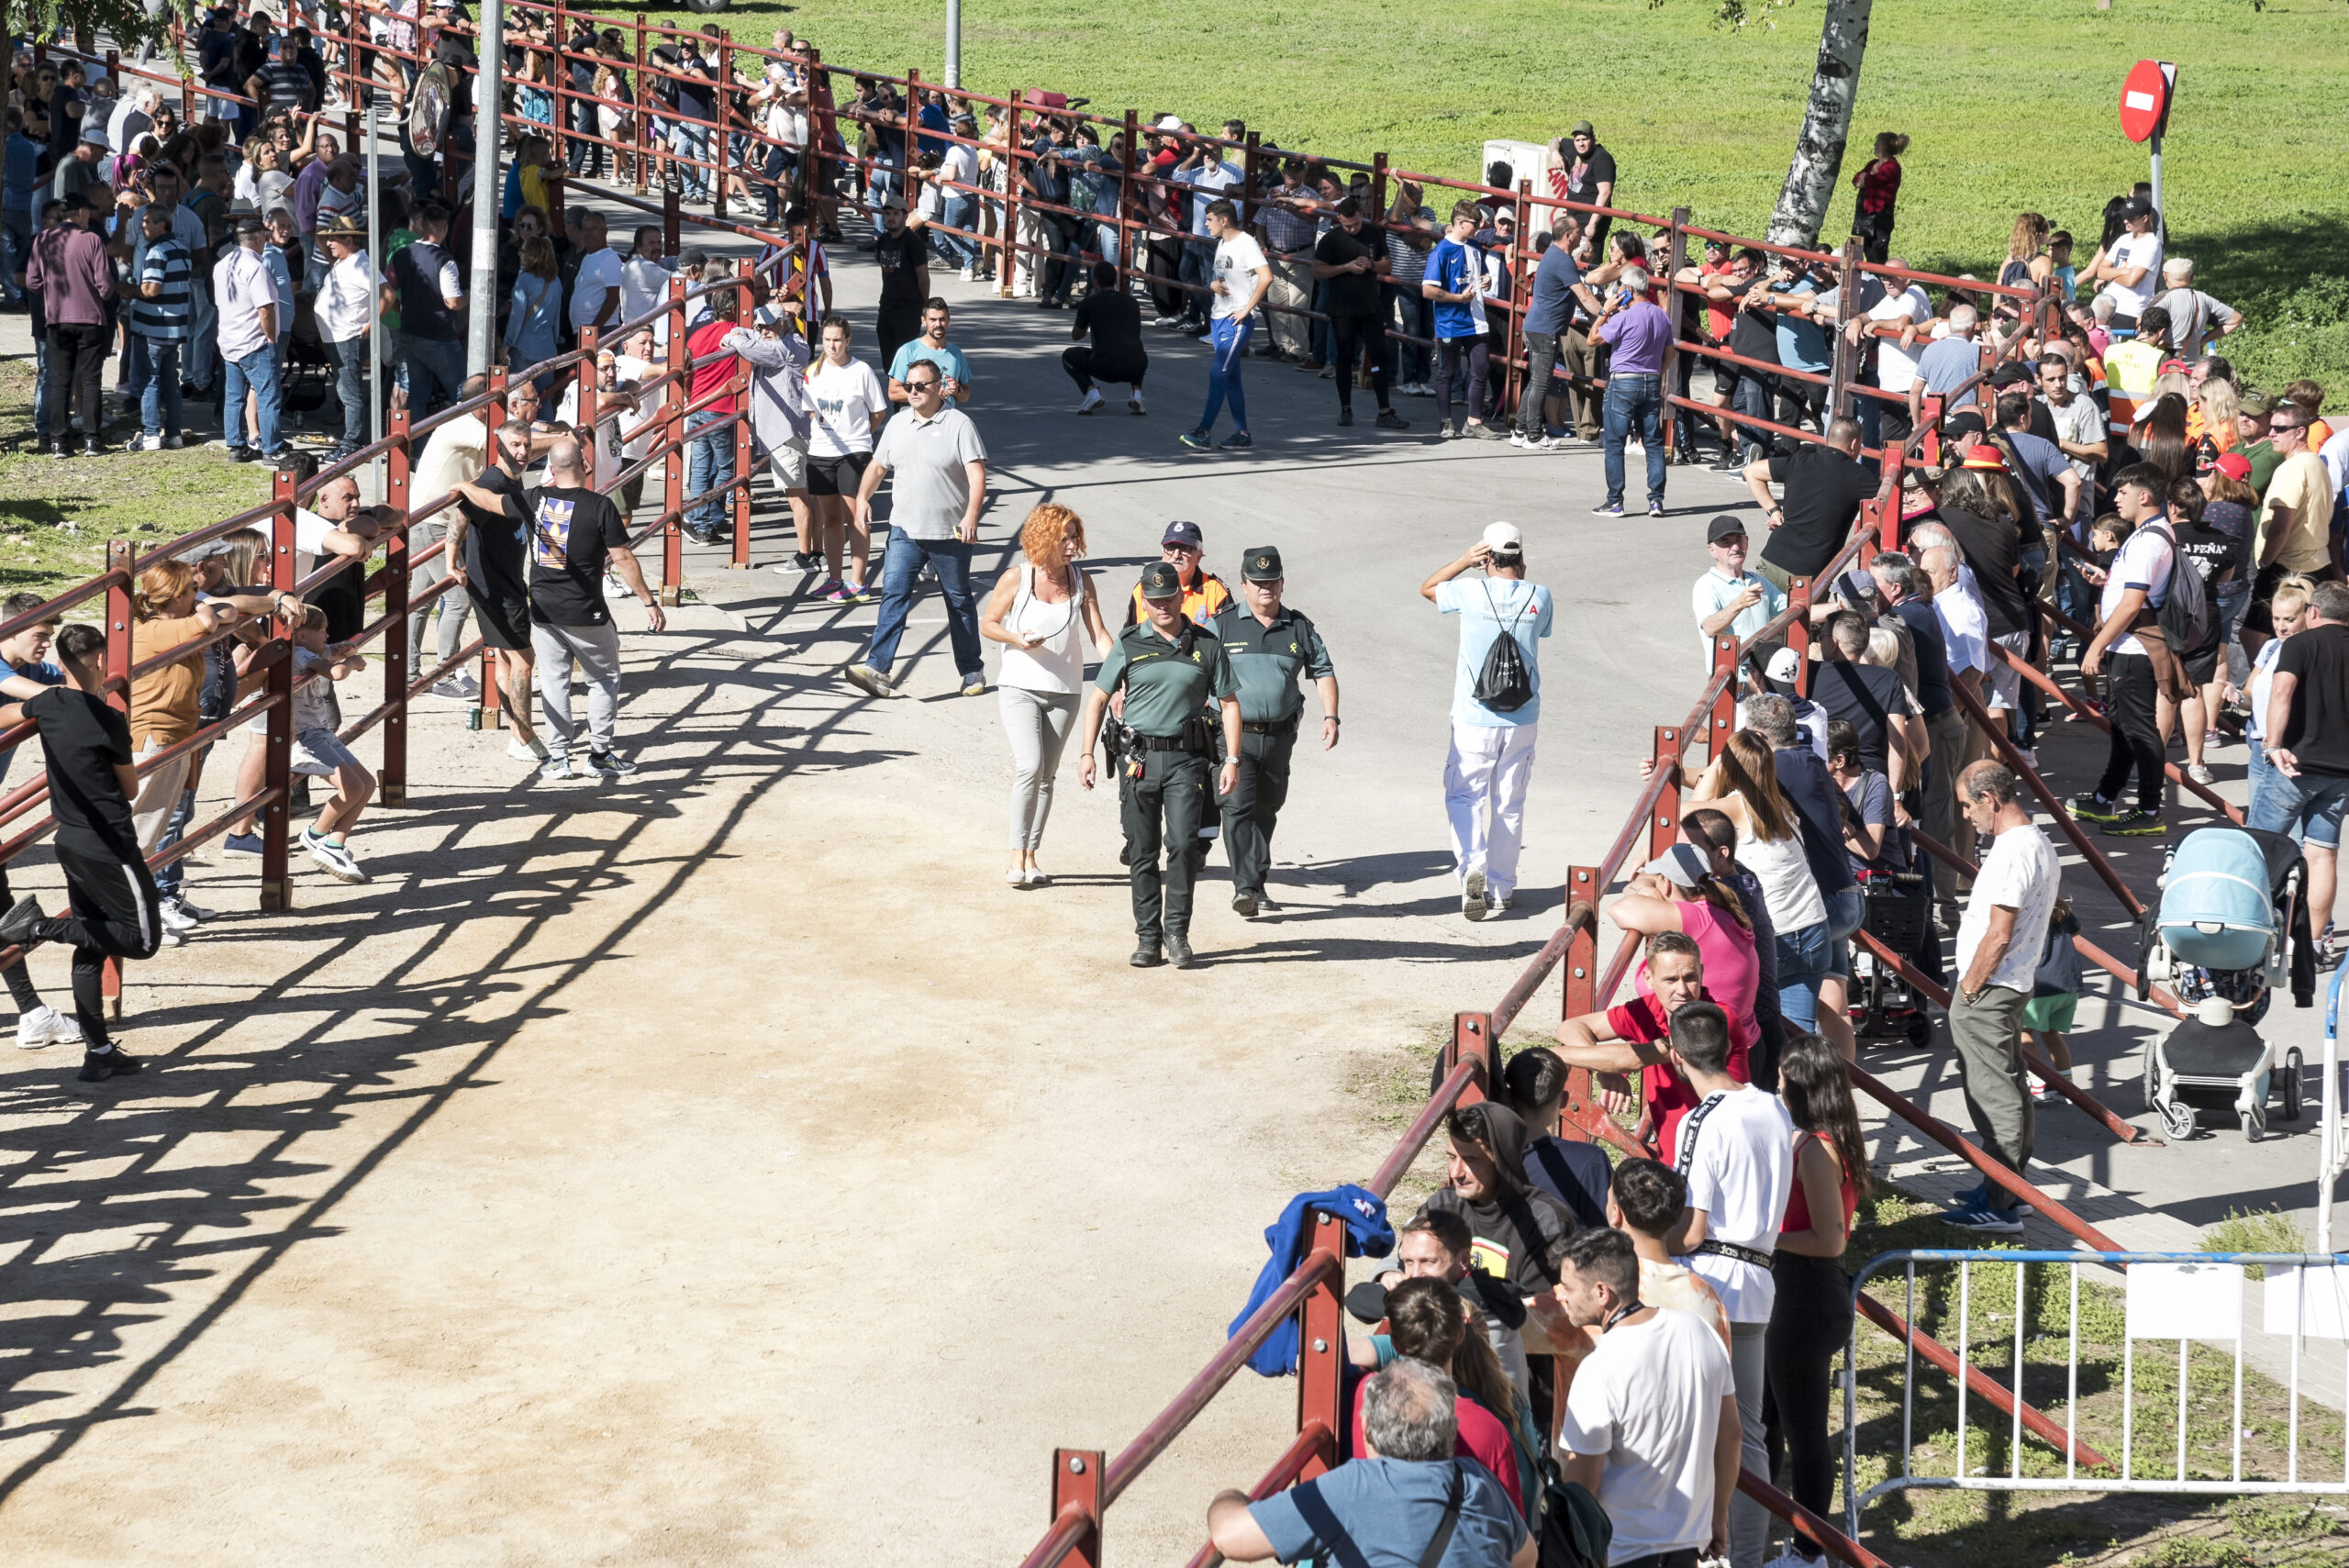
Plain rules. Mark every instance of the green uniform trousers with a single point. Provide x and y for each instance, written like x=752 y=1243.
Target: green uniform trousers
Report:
x=1164 y=809
x=1253 y=807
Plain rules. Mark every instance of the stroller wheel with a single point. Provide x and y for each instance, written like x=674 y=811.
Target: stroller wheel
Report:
x=2150 y=1071
x=1921 y=1031
x=2291 y=1075
x=2177 y=1120
x=2254 y=1124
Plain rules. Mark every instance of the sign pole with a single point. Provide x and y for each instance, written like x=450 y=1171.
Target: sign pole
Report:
x=953 y=43
x=2158 y=174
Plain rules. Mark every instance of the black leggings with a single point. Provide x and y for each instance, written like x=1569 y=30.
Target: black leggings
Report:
x=1810 y=1321
x=1083 y=362
x=2136 y=737
x=20 y=978
x=1449 y=364
x=115 y=914
x=1365 y=335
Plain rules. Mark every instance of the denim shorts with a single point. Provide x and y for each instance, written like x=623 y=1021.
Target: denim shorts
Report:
x=2308 y=807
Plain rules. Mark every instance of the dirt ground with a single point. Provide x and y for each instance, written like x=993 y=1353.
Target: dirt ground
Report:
x=722 y=1166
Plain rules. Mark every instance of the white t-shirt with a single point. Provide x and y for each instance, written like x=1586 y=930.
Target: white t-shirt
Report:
x=845 y=398
x=2021 y=872
x=1648 y=1401
x=1739 y=1160
x=310 y=532
x=600 y=274
x=2135 y=250
x=1895 y=367
x=454 y=453
x=2082 y=423
x=346 y=302
x=962 y=165
x=638 y=429
x=1236 y=260
x=1966 y=627
x=2143 y=563
x=644 y=283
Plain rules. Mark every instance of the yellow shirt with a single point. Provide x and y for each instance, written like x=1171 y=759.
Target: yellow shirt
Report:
x=2303 y=487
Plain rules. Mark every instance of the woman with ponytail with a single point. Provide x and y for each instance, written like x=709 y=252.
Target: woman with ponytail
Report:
x=1678 y=890
x=1427 y=1319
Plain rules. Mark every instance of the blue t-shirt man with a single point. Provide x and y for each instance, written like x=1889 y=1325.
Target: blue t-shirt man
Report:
x=1450 y=266
x=1391 y=1508
x=1802 y=342
x=1486 y=606
x=946 y=358
x=1553 y=292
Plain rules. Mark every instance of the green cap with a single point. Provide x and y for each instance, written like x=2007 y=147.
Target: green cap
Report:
x=1261 y=564
x=1161 y=581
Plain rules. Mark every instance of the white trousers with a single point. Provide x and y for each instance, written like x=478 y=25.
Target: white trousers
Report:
x=1485 y=780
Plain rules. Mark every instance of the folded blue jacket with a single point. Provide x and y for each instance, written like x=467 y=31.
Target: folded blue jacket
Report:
x=1367 y=1235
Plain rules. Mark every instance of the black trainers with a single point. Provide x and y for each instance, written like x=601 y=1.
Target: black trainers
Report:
x=1390 y=420
x=1345 y=416
x=20 y=926
x=1238 y=441
x=1147 y=956
x=2093 y=808
x=2137 y=824
x=1178 y=948
x=99 y=1065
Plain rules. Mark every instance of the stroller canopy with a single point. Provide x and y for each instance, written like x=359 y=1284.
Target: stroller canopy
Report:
x=2218 y=908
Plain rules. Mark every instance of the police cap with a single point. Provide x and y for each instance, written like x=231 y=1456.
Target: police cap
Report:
x=1261 y=564
x=1161 y=581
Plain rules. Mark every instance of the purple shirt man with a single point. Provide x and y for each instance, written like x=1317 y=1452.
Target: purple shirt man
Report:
x=1639 y=334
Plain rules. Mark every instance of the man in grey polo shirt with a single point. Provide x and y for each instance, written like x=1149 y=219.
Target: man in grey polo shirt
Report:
x=940 y=482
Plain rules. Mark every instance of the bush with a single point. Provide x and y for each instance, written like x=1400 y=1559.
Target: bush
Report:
x=2264 y=1230
x=2302 y=334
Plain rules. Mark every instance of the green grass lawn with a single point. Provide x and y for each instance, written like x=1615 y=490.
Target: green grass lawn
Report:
x=2011 y=106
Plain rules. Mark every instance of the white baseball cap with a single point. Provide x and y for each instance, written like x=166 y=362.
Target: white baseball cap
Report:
x=1785 y=664
x=1503 y=538
x=1169 y=122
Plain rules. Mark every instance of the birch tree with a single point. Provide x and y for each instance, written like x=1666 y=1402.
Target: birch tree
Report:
x=1817 y=162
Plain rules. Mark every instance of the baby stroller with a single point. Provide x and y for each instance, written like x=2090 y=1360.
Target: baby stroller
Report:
x=1895 y=911
x=2232 y=917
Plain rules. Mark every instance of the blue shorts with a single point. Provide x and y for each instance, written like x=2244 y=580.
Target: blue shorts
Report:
x=2308 y=807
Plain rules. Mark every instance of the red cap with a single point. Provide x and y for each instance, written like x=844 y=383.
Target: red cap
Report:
x=2235 y=465
x=1986 y=457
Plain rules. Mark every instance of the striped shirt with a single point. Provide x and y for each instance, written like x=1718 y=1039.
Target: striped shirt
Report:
x=285 y=83
x=1404 y=263
x=170 y=315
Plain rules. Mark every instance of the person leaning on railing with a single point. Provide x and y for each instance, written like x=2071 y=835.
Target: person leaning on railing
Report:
x=25 y=655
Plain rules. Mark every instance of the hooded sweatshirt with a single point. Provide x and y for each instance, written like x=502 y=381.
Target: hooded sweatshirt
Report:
x=1518 y=1228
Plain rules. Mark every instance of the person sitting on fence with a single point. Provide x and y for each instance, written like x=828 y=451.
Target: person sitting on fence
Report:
x=86 y=747
x=1115 y=354
x=1533 y=1084
x=1629 y=1038
x=1386 y=1509
x=1429 y=1320
x=319 y=751
x=25 y=656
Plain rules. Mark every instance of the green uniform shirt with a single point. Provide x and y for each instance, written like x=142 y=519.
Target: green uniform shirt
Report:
x=1166 y=689
x=1266 y=659
x=2264 y=460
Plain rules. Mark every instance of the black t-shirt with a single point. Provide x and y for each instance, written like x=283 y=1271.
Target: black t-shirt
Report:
x=898 y=256
x=494 y=541
x=1600 y=170
x=1868 y=695
x=572 y=532
x=1349 y=294
x=83 y=740
x=1753 y=334
x=695 y=98
x=2318 y=732
x=2211 y=551
x=1115 y=321
x=424 y=312
x=1993 y=549
x=1824 y=490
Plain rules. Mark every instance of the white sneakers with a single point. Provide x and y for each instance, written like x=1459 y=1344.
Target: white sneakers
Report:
x=1134 y=402
x=45 y=1026
x=1092 y=400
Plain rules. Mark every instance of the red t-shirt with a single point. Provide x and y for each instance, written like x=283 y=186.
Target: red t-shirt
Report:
x=1481 y=1438
x=1668 y=1095
x=709 y=378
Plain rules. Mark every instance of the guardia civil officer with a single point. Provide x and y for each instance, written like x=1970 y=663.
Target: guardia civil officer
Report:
x=1168 y=669
x=1268 y=645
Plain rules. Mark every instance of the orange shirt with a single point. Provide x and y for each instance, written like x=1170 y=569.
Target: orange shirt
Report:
x=164 y=701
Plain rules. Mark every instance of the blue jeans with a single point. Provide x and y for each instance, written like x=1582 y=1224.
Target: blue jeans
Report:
x=15 y=248
x=709 y=461
x=1635 y=399
x=2308 y=807
x=257 y=373
x=1197 y=271
x=154 y=376
x=169 y=880
x=1845 y=910
x=1752 y=398
x=2255 y=779
x=1415 y=314
x=351 y=388
x=434 y=373
x=43 y=413
x=901 y=564
x=690 y=139
x=959 y=211
x=1230 y=336
x=1802 y=965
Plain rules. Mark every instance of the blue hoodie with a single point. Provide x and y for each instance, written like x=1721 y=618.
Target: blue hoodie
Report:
x=1367 y=1235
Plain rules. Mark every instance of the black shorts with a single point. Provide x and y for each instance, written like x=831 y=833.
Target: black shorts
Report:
x=504 y=621
x=2204 y=670
x=836 y=475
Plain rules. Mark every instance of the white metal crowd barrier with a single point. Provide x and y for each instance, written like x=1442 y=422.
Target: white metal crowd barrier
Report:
x=2333 y=1126
x=2168 y=1296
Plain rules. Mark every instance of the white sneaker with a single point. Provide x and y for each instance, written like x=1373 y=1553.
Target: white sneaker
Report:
x=176 y=919
x=337 y=858
x=43 y=1025
x=197 y=912
x=523 y=753
x=968 y=276
x=1092 y=400
x=1134 y=405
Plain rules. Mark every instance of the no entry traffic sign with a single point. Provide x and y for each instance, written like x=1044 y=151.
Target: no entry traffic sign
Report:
x=2144 y=98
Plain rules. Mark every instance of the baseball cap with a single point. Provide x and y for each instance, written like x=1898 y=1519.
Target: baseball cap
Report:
x=97 y=138
x=1681 y=865
x=1169 y=122
x=206 y=550
x=1503 y=538
x=247 y=223
x=1784 y=666
x=2136 y=206
x=1582 y=127
x=1161 y=581
x=1261 y=564
x=2258 y=404
x=2235 y=465
x=1983 y=457
x=1728 y=525
x=1180 y=532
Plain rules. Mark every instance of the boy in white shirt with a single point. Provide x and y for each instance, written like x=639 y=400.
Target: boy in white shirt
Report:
x=1241 y=276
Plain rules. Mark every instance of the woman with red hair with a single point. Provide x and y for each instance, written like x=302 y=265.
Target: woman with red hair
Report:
x=1035 y=613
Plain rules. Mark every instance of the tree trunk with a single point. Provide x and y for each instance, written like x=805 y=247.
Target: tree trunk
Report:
x=1826 y=125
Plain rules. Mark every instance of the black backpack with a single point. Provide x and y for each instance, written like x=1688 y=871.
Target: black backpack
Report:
x=1505 y=684
x=2189 y=624
x=1575 y=1532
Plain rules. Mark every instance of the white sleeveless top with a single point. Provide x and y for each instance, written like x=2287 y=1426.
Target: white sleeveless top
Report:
x=1788 y=890
x=1058 y=665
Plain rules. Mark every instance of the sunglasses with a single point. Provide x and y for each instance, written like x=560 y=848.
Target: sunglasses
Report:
x=920 y=385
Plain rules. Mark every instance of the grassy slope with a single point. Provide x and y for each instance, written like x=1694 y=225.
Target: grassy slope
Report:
x=2011 y=106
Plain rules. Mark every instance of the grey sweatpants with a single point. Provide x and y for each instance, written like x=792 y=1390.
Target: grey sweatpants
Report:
x=455 y=606
x=1038 y=725
x=597 y=650
x=1987 y=1032
x=1749 y=1521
